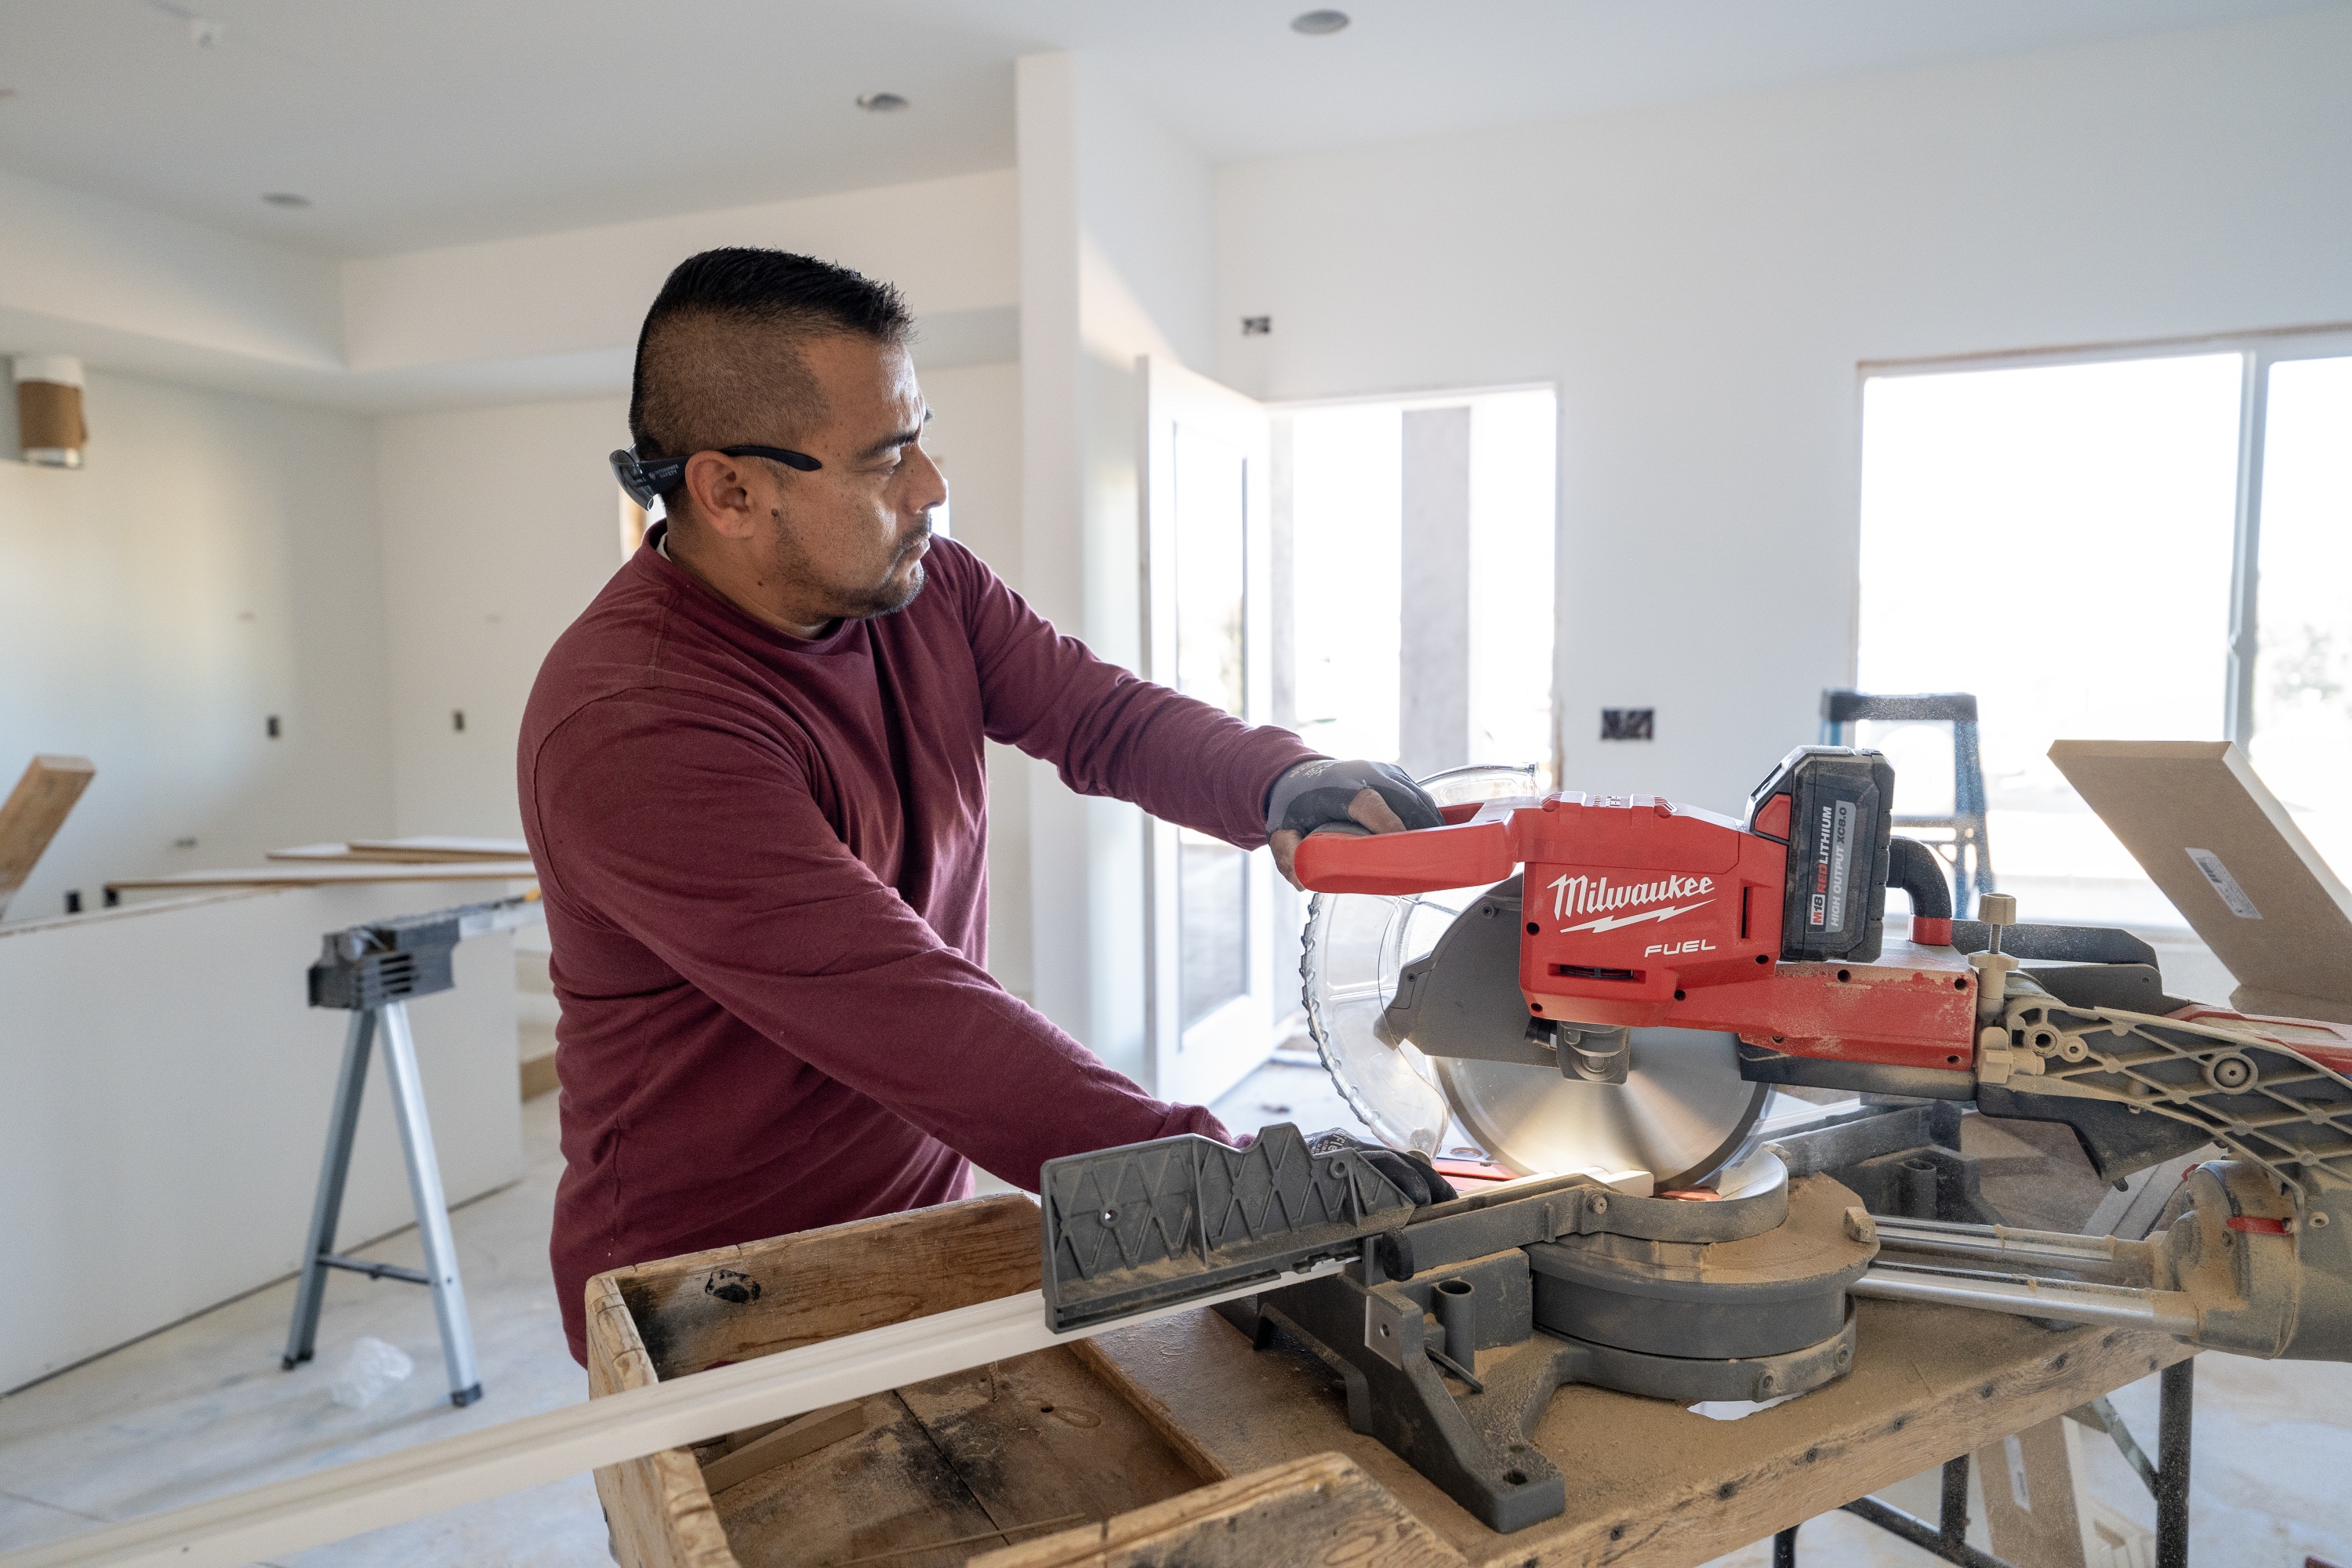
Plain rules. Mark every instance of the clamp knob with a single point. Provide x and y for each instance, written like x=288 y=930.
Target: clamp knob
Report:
x=1998 y=911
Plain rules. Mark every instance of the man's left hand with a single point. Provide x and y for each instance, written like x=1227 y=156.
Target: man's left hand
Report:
x=1359 y=796
x=1408 y=1169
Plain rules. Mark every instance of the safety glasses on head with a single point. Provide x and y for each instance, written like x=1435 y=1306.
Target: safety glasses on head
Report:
x=648 y=480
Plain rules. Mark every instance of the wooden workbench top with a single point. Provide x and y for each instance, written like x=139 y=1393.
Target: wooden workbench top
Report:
x=1649 y=1482
x=1253 y=1461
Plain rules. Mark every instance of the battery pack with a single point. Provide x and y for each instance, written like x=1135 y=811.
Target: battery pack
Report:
x=1840 y=819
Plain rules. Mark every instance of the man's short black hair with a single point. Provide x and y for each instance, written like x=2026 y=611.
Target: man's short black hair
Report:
x=718 y=359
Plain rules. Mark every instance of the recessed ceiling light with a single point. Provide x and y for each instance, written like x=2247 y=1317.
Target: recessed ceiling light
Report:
x=1317 y=24
x=880 y=103
x=286 y=199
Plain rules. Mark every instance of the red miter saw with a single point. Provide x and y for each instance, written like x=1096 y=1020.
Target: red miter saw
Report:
x=1600 y=994
x=1691 y=962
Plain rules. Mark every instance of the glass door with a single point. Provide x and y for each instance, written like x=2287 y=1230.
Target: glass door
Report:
x=1206 y=609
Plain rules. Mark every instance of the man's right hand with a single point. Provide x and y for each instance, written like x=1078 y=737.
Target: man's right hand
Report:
x=1358 y=795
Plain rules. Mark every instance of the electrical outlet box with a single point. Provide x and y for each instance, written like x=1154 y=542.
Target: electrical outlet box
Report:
x=1629 y=723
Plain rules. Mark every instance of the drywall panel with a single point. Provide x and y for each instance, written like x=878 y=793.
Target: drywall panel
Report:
x=215 y=567
x=168 y=1088
x=1702 y=282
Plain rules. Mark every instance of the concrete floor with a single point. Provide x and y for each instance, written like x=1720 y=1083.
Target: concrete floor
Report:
x=201 y=1410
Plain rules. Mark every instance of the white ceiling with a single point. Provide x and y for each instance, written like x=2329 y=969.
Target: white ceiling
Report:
x=420 y=123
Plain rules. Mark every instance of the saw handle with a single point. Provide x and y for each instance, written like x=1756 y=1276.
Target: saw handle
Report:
x=1463 y=853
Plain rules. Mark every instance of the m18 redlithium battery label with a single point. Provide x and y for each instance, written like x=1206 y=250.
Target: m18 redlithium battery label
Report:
x=1833 y=860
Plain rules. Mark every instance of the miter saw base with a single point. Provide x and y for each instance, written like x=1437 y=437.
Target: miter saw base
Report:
x=1451 y=1361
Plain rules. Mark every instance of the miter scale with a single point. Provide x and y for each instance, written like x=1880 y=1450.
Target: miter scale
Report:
x=1599 y=994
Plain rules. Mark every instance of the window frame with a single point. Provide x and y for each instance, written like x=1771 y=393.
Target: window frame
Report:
x=2258 y=351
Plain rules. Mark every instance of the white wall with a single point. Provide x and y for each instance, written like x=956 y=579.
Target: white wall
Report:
x=500 y=526
x=216 y=564
x=1702 y=282
x=1116 y=262
x=140 y=291
x=588 y=288
x=976 y=436
x=537 y=319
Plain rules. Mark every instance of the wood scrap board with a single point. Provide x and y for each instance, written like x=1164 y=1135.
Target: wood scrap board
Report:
x=2210 y=834
x=29 y=819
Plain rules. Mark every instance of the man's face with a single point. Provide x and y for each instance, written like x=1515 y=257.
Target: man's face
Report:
x=851 y=537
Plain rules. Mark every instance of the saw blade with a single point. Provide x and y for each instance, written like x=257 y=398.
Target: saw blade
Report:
x=1682 y=1110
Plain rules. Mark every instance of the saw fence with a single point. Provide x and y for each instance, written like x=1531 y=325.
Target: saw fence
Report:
x=1175 y=1442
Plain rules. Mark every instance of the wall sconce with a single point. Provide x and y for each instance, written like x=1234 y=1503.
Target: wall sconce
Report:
x=48 y=410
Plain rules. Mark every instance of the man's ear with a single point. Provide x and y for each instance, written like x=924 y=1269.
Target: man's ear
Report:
x=717 y=485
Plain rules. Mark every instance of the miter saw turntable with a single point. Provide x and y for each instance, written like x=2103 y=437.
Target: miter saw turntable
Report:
x=1597 y=994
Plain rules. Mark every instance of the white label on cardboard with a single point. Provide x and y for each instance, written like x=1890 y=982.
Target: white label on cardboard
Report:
x=2225 y=884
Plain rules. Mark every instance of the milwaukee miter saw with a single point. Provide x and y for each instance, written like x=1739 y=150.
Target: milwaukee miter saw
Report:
x=1594 y=997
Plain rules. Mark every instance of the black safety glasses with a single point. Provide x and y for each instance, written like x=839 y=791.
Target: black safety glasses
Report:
x=647 y=481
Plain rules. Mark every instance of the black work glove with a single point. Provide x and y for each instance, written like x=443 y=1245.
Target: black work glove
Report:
x=1319 y=794
x=1359 y=796
x=1411 y=1171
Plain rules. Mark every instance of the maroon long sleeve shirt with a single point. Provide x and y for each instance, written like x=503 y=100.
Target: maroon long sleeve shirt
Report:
x=764 y=860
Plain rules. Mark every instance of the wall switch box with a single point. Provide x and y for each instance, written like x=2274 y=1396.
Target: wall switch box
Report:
x=1629 y=723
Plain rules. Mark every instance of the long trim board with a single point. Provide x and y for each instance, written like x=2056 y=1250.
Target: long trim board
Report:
x=33 y=810
x=330 y=1504
x=401 y=849
x=2213 y=836
x=301 y=874
x=445 y=848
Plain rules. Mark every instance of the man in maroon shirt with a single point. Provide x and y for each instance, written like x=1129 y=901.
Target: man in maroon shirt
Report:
x=753 y=781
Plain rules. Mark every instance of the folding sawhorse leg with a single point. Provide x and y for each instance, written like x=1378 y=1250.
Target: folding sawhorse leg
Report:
x=318 y=1255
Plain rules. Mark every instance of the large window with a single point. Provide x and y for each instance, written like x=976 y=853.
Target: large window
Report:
x=2152 y=546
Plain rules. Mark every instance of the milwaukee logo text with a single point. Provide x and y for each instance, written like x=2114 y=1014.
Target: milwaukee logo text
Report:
x=1600 y=897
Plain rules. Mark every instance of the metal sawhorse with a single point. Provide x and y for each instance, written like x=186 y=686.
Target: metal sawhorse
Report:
x=2167 y=1480
x=1968 y=848
x=372 y=971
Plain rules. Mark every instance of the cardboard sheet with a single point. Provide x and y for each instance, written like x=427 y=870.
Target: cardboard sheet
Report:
x=2213 y=837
